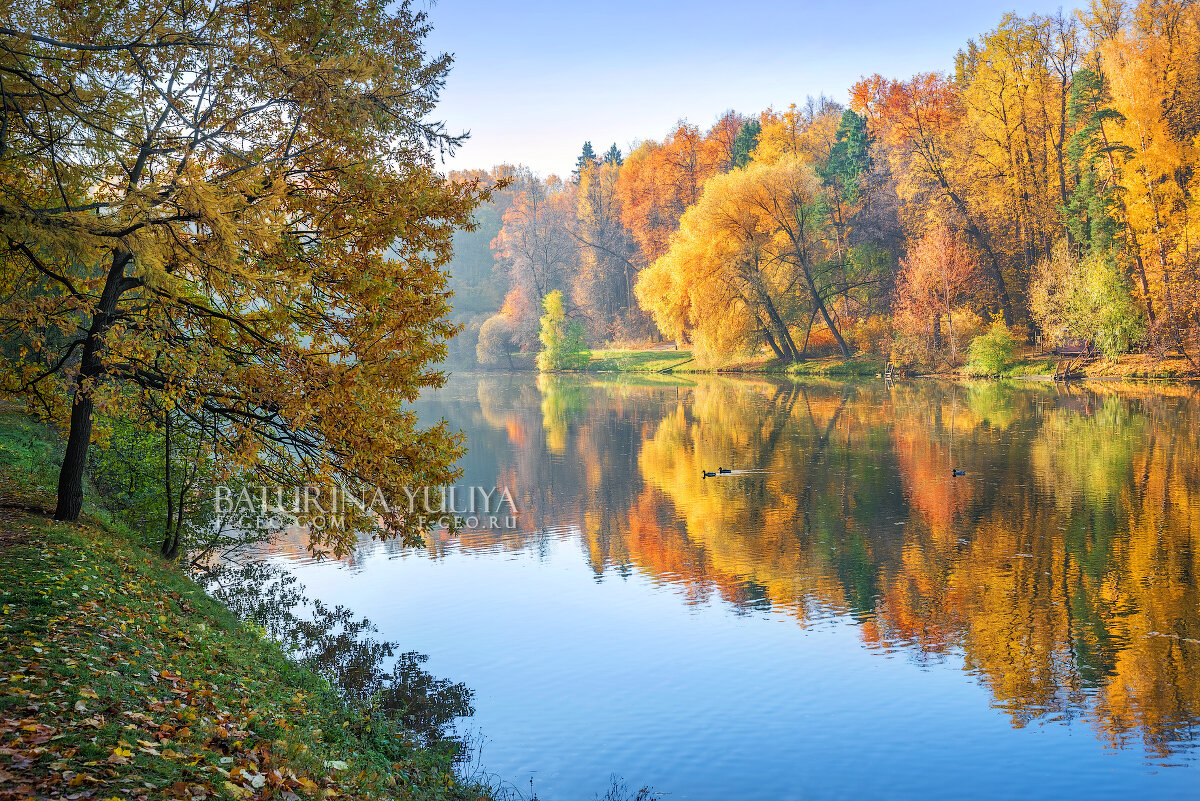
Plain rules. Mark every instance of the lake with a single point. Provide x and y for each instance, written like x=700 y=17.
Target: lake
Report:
x=839 y=617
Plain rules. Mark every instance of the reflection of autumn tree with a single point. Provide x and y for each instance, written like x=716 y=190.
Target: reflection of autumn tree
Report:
x=1039 y=566
x=1061 y=568
x=1154 y=690
x=563 y=401
x=1059 y=575
x=986 y=565
x=800 y=525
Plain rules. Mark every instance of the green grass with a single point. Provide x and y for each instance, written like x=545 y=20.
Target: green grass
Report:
x=1036 y=365
x=654 y=361
x=123 y=679
x=855 y=366
x=638 y=361
x=27 y=453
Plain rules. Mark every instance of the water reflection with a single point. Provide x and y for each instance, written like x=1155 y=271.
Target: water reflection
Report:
x=1061 y=568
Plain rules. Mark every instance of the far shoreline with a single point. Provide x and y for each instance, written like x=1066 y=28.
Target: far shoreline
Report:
x=1031 y=366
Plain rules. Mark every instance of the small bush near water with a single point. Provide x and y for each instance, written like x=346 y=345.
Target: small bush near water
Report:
x=991 y=353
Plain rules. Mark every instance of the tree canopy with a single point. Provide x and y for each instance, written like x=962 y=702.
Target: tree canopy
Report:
x=231 y=208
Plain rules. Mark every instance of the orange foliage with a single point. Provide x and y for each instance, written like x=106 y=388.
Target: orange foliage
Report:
x=659 y=181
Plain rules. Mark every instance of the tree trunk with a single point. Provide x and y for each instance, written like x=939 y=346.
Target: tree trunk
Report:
x=70 y=476
x=781 y=333
x=766 y=332
x=807 y=334
x=824 y=312
x=91 y=369
x=796 y=356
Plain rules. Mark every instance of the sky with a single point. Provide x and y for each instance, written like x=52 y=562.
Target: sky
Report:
x=533 y=80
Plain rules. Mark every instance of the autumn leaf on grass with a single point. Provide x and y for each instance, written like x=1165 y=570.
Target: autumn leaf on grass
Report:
x=236 y=791
x=119 y=756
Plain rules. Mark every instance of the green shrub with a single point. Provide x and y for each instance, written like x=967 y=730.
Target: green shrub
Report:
x=562 y=339
x=1088 y=298
x=991 y=353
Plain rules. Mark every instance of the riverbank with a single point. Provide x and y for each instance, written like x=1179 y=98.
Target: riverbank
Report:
x=123 y=679
x=1031 y=364
x=659 y=360
x=1129 y=366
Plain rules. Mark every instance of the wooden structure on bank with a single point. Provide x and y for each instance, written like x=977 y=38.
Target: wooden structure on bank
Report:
x=1073 y=353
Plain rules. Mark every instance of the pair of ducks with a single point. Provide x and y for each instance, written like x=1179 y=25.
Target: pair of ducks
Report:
x=721 y=471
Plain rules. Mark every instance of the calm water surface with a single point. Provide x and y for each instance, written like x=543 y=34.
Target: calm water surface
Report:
x=842 y=617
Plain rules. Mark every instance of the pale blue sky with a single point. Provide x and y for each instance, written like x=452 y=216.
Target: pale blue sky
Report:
x=533 y=80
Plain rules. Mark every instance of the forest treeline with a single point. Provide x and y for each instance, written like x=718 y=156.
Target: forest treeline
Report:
x=1045 y=185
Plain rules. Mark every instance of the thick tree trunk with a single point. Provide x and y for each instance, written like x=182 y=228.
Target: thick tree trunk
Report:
x=780 y=329
x=70 y=477
x=796 y=355
x=1145 y=284
x=824 y=312
x=766 y=332
x=91 y=369
x=808 y=333
x=833 y=329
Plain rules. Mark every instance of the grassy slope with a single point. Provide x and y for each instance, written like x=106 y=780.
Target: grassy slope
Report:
x=638 y=361
x=1029 y=363
x=680 y=361
x=1130 y=365
x=122 y=679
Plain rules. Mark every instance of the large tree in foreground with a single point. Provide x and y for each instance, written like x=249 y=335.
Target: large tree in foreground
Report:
x=232 y=207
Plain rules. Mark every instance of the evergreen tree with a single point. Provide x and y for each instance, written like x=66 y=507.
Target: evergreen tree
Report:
x=613 y=156
x=746 y=141
x=587 y=159
x=850 y=158
x=1088 y=214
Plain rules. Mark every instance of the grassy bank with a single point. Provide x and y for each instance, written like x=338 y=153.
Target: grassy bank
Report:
x=124 y=680
x=640 y=361
x=1029 y=364
x=681 y=361
x=1131 y=365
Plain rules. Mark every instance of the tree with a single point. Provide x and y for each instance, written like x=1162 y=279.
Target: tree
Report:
x=1015 y=96
x=477 y=285
x=992 y=352
x=602 y=284
x=937 y=276
x=562 y=339
x=1152 y=70
x=921 y=123
x=659 y=181
x=536 y=248
x=234 y=211
x=747 y=140
x=587 y=160
x=613 y=155
x=495 y=338
x=749 y=260
x=1085 y=298
x=849 y=158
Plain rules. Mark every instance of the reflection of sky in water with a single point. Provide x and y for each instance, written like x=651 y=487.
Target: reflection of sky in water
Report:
x=852 y=622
